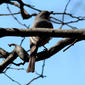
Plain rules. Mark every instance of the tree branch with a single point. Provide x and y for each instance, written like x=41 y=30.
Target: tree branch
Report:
x=65 y=33
x=19 y=51
x=7 y=61
x=56 y=48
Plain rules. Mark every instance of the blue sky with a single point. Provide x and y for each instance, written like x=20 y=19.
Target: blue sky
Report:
x=64 y=68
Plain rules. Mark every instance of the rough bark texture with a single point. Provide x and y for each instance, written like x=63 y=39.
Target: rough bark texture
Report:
x=65 y=33
x=40 y=56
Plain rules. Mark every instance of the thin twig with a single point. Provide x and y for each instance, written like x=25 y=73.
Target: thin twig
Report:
x=7 y=68
x=9 y=14
x=18 y=63
x=33 y=80
x=17 y=68
x=15 y=17
x=43 y=66
x=32 y=7
x=70 y=45
x=63 y=14
x=22 y=41
x=12 y=79
x=67 y=14
x=39 y=75
x=65 y=9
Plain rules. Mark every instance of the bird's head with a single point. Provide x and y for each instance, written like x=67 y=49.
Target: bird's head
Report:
x=44 y=14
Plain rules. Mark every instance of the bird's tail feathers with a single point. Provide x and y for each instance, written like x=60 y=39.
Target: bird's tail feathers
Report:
x=31 y=66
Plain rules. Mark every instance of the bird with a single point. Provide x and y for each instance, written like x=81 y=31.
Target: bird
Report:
x=42 y=20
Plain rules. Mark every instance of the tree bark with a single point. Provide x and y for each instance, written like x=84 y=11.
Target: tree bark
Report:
x=65 y=33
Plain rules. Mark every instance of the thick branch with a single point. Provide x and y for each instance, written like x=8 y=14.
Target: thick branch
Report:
x=3 y=53
x=72 y=33
x=19 y=51
x=4 y=1
x=53 y=50
x=7 y=61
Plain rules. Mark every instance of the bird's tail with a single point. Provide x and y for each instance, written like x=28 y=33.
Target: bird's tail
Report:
x=31 y=66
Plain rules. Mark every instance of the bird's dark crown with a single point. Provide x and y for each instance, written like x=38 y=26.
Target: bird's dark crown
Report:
x=44 y=14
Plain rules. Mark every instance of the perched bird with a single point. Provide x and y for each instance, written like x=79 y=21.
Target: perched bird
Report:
x=42 y=20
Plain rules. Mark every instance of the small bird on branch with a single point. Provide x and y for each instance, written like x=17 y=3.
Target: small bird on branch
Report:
x=42 y=20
